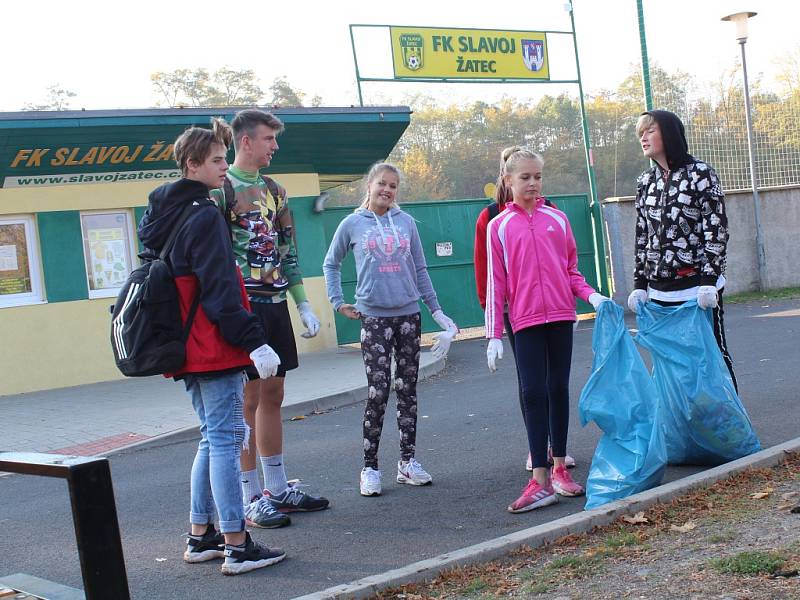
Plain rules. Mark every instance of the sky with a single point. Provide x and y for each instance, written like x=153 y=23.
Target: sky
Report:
x=105 y=51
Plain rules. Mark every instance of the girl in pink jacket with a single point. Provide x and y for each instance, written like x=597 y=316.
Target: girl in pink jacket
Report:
x=532 y=268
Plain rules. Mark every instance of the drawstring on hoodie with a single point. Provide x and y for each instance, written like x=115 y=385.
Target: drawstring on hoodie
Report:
x=380 y=228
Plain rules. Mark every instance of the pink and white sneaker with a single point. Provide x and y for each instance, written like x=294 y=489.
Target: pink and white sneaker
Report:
x=564 y=484
x=534 y=496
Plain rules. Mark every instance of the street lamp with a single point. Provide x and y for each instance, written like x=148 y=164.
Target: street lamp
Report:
x=740 y=19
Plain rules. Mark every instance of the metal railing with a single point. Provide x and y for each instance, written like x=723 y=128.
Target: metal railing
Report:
x=94 y=514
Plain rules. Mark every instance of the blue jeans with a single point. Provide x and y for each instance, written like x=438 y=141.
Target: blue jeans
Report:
x=215 y=473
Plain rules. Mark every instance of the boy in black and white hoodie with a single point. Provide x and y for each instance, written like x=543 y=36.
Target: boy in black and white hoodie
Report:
x=681 y=225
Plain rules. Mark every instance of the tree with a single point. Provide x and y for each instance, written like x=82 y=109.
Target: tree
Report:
x=233 y=88
x=196 y=87
x=58 y=98
x=788 y=75
x=283 y=94
x=423 y=178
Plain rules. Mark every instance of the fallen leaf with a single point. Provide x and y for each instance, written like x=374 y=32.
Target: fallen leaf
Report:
x=685 y=528
x=637 y=518
x=298 y=418
x=765 y=493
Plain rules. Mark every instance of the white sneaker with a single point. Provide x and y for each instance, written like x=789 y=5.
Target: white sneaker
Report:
x=370 y=482
x=412 y=472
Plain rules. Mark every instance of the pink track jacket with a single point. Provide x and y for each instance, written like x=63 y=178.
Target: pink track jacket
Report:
x=532 y=267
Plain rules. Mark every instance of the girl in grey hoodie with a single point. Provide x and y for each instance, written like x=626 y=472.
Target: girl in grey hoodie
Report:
x=392 y=276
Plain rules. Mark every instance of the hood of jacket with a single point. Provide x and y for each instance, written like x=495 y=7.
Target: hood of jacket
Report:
x=673 y=136
x=368 y=214
x=165 y=205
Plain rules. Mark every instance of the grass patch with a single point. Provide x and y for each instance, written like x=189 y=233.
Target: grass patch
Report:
x=749 y=563
x=476 y=585
x=572 y=567
x=620 y=540
x=537 y=588
x=780 y=294
x=726 y=535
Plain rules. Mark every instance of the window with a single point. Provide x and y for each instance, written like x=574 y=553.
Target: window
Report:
x=108 y=248
x=20 y=282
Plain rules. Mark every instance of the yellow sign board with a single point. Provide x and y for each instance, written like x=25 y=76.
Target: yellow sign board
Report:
x=421 y=52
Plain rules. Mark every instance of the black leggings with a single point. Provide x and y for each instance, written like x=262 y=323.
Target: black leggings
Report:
x=382 y=337
x=544 y=357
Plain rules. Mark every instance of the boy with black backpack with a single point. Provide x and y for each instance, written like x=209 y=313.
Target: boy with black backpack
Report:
x=223 y=339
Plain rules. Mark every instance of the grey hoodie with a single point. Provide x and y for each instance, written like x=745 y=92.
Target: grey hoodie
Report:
x=391 y=272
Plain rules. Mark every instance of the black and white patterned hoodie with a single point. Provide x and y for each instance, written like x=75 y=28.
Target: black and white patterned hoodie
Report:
x=681 y=225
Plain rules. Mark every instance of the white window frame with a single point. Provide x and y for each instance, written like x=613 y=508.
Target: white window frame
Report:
x=108 y=292
x=35 y=296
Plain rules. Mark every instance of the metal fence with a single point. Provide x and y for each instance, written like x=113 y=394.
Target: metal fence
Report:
x=717 y=133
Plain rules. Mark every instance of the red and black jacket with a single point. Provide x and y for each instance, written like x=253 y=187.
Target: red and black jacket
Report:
x=223 y=332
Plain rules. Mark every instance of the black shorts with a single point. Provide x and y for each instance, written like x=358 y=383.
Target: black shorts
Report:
x=277 y=324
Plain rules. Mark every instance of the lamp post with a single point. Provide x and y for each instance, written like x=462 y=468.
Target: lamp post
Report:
x=740 y=19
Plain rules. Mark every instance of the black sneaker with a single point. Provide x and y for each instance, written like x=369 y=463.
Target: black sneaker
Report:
x=251 y=556
x=209 y=546
x=292 y=499
x=261 y=513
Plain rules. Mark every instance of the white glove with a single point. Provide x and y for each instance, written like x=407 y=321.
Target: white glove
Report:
x=494 y=352
x=635 y=298
x=266 y=361
x=309 y=319
x=441 y=346
x=445 y=322
x=596 y=300
x=707 y=296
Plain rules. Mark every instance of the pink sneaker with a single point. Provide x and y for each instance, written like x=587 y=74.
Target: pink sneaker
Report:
x=533 y=496
x=563 y=483
x=568 y=460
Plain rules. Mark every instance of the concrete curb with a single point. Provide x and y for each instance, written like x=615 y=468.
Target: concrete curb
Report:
x=306 y=407
x=542 y=534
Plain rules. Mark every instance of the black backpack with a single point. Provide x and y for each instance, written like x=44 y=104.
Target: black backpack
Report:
x=147 y=334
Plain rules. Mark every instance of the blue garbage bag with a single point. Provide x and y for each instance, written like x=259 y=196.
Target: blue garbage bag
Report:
x=704 y=420
x=621 y=398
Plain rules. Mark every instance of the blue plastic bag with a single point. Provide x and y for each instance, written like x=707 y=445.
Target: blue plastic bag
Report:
x=703 y=417
x=621 y=398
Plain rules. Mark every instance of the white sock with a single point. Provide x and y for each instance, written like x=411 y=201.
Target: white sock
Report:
x=250 y=485
x=274 y=474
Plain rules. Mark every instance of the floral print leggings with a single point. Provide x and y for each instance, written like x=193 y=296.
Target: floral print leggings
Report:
x=380 y=338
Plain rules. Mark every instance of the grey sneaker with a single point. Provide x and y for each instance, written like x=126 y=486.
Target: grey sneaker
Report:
x=200 y=548
x=250 y=556
x=261 y=513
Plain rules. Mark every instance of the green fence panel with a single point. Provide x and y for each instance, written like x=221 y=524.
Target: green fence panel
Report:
x=447 y=230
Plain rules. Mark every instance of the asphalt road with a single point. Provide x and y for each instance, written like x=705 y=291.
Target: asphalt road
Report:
x=470 y=438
